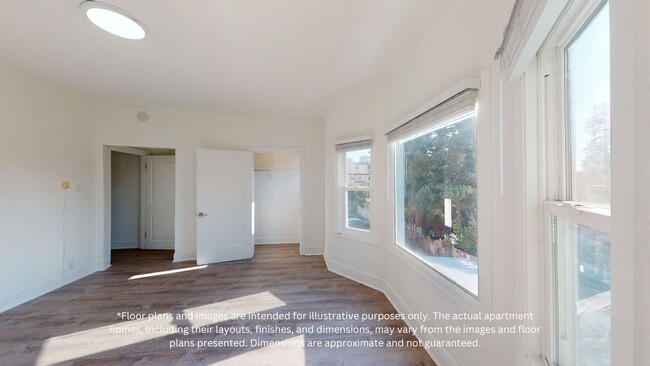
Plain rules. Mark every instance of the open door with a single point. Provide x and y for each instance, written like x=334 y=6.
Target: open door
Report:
x=160 y=193
x=224 y=202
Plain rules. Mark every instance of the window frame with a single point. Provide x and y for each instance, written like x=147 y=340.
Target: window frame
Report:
x=555 y=142
x=353 y=234
x=396 y=205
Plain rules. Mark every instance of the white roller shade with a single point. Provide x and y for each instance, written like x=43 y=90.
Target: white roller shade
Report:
x=529 y=25
x=354 y=144
x=449 y=110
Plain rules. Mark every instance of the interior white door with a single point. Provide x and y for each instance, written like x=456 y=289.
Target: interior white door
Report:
x=160 y=186
x=224 y=202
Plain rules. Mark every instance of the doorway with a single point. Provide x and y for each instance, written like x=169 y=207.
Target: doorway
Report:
x=293 y=152
x=226 y=203
x=142 y=202
x=277 y=198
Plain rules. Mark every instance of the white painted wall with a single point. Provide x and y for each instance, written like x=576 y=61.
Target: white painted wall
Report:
x=630 y=83
x=186 y=131
x=125 y=200
x=354 y=115
x=47 y=235
x=277 y=198
x=410 y=285
x=508 y=278
x=47 y=136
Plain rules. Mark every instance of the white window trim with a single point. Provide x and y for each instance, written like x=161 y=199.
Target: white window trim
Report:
x=354 y=235
x=553 y=153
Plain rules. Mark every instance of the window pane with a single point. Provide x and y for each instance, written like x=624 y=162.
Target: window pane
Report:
x=436 y=200
x=584 y=280
x=358 y=168
x=587 y=60
x=358 y=210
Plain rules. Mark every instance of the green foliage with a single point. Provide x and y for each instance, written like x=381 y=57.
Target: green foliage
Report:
x=442 y=165
x=593 y=177
x=357 y=199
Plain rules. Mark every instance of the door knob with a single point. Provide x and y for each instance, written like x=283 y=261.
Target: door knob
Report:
x=201 y=214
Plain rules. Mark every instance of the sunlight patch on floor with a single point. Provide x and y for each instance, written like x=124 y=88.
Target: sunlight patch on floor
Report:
x=163 y=273
x=205 y=315
x=88 y=342
x=286 y=352
x=136 y=333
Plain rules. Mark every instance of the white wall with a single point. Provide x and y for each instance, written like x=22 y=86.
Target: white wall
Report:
x=410 y=285
x=186 y=131
x=630 y=82
x=509 y=276
x=47 y=235
x=125 y=200
x=277 y=198
x=357 y=115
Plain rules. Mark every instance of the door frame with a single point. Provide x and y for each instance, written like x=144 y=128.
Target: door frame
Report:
x=300 y=151
x=104 y=194
x=108 y=191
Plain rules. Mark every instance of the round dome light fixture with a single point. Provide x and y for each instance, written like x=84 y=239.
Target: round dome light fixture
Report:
x=114 y=20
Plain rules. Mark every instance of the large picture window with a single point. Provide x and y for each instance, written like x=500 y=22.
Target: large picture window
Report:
x=436 y=197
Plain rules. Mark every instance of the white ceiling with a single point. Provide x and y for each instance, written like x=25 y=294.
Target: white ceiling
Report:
x=277 y=57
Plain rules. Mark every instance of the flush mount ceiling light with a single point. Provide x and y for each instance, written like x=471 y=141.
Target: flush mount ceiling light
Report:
x=114 y=20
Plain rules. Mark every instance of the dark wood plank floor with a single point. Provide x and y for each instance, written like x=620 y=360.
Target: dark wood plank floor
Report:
x=78 y=324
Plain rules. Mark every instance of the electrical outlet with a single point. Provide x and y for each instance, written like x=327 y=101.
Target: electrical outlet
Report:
x=65 y=184
x=77 y=188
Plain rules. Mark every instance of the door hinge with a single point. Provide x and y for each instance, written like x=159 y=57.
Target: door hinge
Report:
x=145 y=165
x=145 y=234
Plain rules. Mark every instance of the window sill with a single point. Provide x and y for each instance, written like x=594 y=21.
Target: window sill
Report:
x=363 y=238
x=432 y=274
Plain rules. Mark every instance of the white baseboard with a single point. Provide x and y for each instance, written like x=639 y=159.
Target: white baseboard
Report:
x=183 y=257
x=277 y=240
x=127 y=244
x=33 y=292
x=536 y=360
x=354 y=274
x=160 y=246
x=439 y=355
x=312 y=251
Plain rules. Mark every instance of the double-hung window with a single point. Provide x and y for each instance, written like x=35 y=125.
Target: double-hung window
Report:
x=576 y=65
x=436 y=189
x=355 y=180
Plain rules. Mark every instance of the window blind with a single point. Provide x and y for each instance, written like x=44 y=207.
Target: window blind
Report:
x=529 y=25
x=365 y=143
x=524 y=16
x=454 y=107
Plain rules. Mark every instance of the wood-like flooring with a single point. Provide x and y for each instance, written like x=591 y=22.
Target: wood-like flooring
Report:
x=96 y=320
